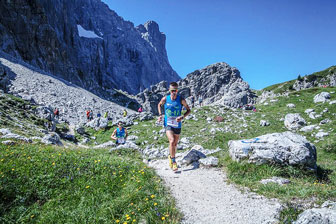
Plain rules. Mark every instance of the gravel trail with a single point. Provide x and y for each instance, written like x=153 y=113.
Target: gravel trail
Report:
x=204 y=196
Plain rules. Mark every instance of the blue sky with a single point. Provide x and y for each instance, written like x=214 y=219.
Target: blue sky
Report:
x=269 y=41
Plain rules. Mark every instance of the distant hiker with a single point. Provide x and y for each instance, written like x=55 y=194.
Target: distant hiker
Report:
x=88 y=115
x=56 y=113
x=106 y=114
x=98 y=114
x=125 y=113
x=120 y=134
x=200 y=100
x=140 y=109
x=192 y=100
x=91 y=115
x=173 y=117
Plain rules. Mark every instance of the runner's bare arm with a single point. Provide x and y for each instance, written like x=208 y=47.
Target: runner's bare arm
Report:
x=162 y=102
x=126 y=133
x=113 y=134
x=184 y=103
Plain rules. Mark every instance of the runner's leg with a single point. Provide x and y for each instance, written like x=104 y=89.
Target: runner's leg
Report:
x=170 y=136
x=176 y=139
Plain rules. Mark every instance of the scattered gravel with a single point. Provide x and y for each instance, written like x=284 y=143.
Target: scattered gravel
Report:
x=204 y=196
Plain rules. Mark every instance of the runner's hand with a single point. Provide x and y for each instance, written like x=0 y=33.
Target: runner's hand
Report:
x=160 y=118
x=179 y=119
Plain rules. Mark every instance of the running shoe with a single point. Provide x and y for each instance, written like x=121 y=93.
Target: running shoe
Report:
x=170 y=162
x=175 y=167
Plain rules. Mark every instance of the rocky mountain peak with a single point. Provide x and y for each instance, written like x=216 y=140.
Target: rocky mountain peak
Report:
x=218 y=83
x=86 y=43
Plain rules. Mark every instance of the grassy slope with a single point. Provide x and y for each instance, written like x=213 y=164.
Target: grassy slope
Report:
x=44 y=184
x=305 y=188
x=34 y=188
x=286 y=86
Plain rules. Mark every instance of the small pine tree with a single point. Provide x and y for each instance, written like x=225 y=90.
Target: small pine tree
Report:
x=299 y=78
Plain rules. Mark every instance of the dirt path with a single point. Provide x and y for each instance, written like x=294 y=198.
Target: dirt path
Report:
x=204 y=196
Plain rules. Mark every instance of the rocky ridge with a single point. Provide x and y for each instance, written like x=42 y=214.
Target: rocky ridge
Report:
x=218 y=84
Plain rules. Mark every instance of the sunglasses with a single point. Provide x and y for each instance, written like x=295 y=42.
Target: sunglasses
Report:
x=173 y=90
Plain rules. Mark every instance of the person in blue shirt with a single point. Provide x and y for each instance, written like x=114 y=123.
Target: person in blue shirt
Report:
x=173 y=117
x=120 y=134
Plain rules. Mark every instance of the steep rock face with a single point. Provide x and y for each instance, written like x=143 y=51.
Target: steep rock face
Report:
x=217 y=83
x=86 y=43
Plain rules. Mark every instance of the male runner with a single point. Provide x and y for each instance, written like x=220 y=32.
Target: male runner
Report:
x=173 y=104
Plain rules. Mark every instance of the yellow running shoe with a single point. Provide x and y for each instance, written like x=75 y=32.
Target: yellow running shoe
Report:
x=175 y=167
x=170 y=162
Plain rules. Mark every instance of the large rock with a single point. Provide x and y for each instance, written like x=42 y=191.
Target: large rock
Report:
x=98 y=123
x=217 y=83
x=322 y=97
x=285 y=148
x=191 y=156
x=86 y=43
x=324 y=215
x=52 y=139
x=294 y=121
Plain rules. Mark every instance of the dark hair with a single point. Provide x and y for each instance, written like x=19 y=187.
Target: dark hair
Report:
x=120 y=122
x=174 y=84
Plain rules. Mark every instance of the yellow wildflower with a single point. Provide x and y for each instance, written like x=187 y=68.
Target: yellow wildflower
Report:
x=87 y=187
x=163 y=218
x=152 y=196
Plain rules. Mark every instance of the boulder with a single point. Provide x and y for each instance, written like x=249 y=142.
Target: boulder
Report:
x=208 y=161
x=325 y=121
x=308 y=111
x=5 y=131
x=98 y=123
x=105 y=145
x=17 y=137
x=264 y=123
x=191 y=156
x=324 y=215
x=291 y=105
x=309 y=128
x=52 y=139
x=285 y=148
x=321 y=134
x=218 y=119
x=8 y=142
x=277 y=180
x=145 y=116
x=322 y=97
x=80 y=130
x=332 y=102
x=294 y=121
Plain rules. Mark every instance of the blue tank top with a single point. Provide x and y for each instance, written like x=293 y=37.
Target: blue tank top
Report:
x=120 y=134
x=173 y=110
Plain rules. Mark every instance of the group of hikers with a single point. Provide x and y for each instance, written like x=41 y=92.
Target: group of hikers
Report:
x=89 y=115
x=192 y=101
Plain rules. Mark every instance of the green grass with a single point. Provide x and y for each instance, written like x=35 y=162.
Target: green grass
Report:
x=18 y=115
x=305 y=186
x=316 y=76
x=43 y=184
